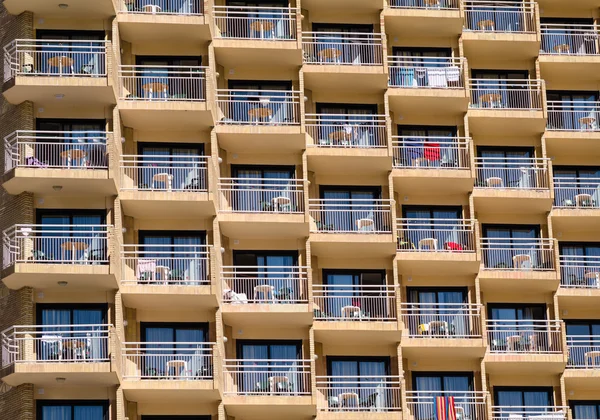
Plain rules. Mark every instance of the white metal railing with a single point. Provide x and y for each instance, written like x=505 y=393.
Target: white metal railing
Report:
x=163 y=7
x=265 y=284
x=431 y=152
x=584 y=351
x=332 y=215
x=185 y=173
x=442 y=320
x=577 y=193
x=55 y=344
x=354 y=303
x=258 y=23
x=258 y=107
x=162 y=83
x=273 y=377
x=512 y=173
x=347 y=130
x=261 y=195
x=359 y=393
x=524 y=254
x=579 y=271
x=425 y=4
x=426 y=72
x=436 y=235
x=565 y=39
x=56 y=244
x=573 y=116
x=470 y=405
x=506 y=94
x=529 y=413
x=56 y=58
x=56 y=149
x=160 y=265
x=500 y=16
x=524 y=336
x=341 y=48
x=184 y=361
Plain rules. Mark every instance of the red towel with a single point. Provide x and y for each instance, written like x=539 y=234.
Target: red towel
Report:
x=451 y=409
x=432 y=151
x=440 y=408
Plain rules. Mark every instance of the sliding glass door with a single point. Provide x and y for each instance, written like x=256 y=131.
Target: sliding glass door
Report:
x=512 y=166
x=348 y=124
x=520 y=399
x=440 y=223
x=517 y=327
x=364 y=377
x=71 y=52
x=343 y=43
x=180 y=161
x=346 y=205
x=573 y=110
x=257 y=101
x=507 y=88
x=583 y=340
x=278 y=271
x=581 y=263
x=429 y=146
x=443 y=311
x=165 y=77
x=347 y=290
x=432 y=385
x=506 y=244
x=263 y=188
x=585 y=409
x=72 y=410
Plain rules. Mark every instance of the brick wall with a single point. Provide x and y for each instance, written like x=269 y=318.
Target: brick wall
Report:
x=17 y=403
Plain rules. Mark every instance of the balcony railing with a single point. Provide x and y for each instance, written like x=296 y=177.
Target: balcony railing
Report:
x=354 y=303
x=163 y=7
x=564 y=39
x=359 y=393
x=258 y=23
x=79 y=343
x=467 y=404
x=525 y=336
x=442 y=320
x=56 y=58
x=354 y=131
x=512 y=173
x=426 y=72
x=265 y=284
x=56 y=244
x=183 y=361
x=266 y=377
x=573 y=116
x=500 y=16
x=160 y=265
x=162 y=83
x=433 y=152
x=436 y=235
x=56 y=149
x=261 y=195
x=259 y=107
x=183 y=173
x=511 y=94
x=529 y=413
x=339 y=48
x=579 y=271
x=332 y=215
x=522 y=254
x=425 y=4
x=584 y=352
x=580 y=193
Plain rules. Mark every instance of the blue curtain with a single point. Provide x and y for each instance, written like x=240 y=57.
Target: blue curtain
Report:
x=514 y=399
x=73 y=411
x=345 y=212
x=586 y=410
x=280 y=278
x=256 y=377
x=88 y=412
x=363 y=377
x=58 y=412
x=170 y=336
x=177 y=252
x=50 y=248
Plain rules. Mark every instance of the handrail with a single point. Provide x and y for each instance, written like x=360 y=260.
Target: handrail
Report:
x=524 y=336
x=259 y=107
x=164 y=83
x=343 y=48
x=569 y=39
x=183 y=173
x=524 y=254
x=500 y=16
x=355 y=303
x=427 y=235
x=347 y=130
x=506 y=94
x=350 y=216
x=256 y=23
x=273 y=377
x=165 y=7
x=428 y=5
x=431 y=152
x=573 y=116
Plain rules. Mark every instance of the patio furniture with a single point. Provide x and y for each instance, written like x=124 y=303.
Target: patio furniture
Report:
x=259 y=114
x=330 y=54
x=593 y=357
x=365 y=225
x=562 y=49
x=583 y=200
x=180 y=366
x=165 y=178
x=162 y=273
x=151 y=87
x=73 y=247
x=521 y=261
x=493 y=100
x=61 y=61
x=74 y=155
x=281 y=204
x=279 y=384
x=513 y=343
x=262 y=27
x=348 y=400
x=264 y=292
x=486 y=24
x=351 y=311
x=438 y=328
x=587 y=123
x=494 y=182
x=152 y=8
x=428 y=243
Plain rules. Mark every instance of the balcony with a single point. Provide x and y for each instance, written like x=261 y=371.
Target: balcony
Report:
x=530 y=413
x=506 y=107
x=572 y=127
x=583 y=362
x=337 y=142
x=161 y=277
x=567 y=50
x=180 y=372
x=440 y=18
x=335 y=61
x=505 y=184
x=431 y=246
x=44 y=256
x=265 y=388
x=164 y=97
x=498 y=30
x=77 y=8
x=262 y=208
x=256 y=35
x=355 y=396
x=440 y=165
x=43 y=71
x=579 y=281
x=467 y=404
x=433 y=84
x=142 y=21
x=266 y=295
x=36 y=161
x=37 y=354
x=347 y=228
x=576 y=203
x=355 y=314
x=156 y=186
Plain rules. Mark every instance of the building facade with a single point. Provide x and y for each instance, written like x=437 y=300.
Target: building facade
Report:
x=300 y=209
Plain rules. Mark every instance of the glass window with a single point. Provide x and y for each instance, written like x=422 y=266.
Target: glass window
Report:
x=585 y=410
x=72 y=410
x=504 y=242
x=363 y=289
x=256 y=187
x=71 y=52
x=344 y=43
x=347 y=205
x=513 y=399
x=572 y=110
x=181 y=161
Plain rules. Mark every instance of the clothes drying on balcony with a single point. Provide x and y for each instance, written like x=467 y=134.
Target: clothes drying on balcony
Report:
x=445 y=408
x=436 y=77
x=432 y=151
